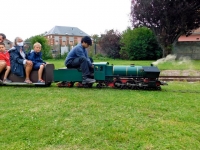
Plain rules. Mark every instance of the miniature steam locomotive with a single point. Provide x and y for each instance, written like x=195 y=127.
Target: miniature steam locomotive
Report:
x=131 y=77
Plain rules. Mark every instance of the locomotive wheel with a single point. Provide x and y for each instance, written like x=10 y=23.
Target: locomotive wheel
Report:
x=71 y=84
x=135 y=88
x=85 y=85
x=122 y=87
x=62 y=84
x=79 y=84
x=90 y=85
x=158 y=88
x=130 y=82
x=117 y=84
x=98 y=85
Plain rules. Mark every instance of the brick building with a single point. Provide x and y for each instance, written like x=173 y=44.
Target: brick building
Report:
x=63 y=38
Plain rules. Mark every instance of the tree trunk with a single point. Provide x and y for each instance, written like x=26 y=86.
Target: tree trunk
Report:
x=163 y=50
x=163 y=55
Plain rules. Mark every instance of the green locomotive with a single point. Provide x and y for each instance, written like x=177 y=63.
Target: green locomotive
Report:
x=132 y=77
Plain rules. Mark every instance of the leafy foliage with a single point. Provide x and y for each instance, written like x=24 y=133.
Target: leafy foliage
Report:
x=93 y=48
x=139 y=43
x=168 y=19
x=46 y=53
x=95 y=38
x=110 y=43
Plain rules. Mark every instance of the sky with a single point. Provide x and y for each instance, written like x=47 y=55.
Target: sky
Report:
x=26 y=18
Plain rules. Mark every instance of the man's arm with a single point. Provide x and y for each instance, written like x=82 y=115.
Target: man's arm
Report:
x=79 y=52
x=88 y=59
x=14 y=55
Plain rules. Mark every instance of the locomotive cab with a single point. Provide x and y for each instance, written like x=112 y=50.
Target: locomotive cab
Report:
x=151 y=72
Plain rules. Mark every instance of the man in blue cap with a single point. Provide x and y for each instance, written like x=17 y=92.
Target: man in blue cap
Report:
x=78 y=58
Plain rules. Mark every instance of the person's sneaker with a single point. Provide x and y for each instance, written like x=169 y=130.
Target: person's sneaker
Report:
x=7 y=81
x=88 y=80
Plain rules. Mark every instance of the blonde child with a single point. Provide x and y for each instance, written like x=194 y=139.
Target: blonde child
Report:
x=4 y=62
x=36 y=57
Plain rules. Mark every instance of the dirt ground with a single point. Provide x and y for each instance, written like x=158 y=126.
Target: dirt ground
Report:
x=180 y=73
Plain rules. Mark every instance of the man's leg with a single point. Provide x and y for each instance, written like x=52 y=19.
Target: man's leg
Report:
x=82 y=62
x=28 y=69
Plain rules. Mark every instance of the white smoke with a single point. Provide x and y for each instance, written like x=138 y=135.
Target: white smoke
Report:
x=168 y=58
x=184 y=59
x=173 y=58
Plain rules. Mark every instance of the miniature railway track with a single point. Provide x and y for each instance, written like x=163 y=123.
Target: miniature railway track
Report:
x=180 y=78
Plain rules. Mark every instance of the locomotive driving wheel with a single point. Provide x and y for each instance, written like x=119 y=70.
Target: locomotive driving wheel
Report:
x=98 y=85
x=129 y=84
x=88 y=85
x=118 y=84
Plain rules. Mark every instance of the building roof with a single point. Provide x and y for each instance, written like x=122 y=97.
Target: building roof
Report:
x=63 y=30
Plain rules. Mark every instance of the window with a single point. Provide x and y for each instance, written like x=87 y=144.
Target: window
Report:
x=71 y=43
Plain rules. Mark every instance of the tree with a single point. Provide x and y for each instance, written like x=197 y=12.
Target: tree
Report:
x=168 y=19
x=139 y=43
x=43 y=41
x=93 y=48
x=110 y=43
x=95 y=38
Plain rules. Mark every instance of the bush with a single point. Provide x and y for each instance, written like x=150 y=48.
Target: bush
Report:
x=139 y=43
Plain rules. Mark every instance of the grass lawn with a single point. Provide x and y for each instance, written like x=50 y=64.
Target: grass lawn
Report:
x=77 y=118
x=52 y=118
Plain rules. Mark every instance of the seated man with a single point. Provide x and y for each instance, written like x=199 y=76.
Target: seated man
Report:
x=20 y=65
x=78 y=58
